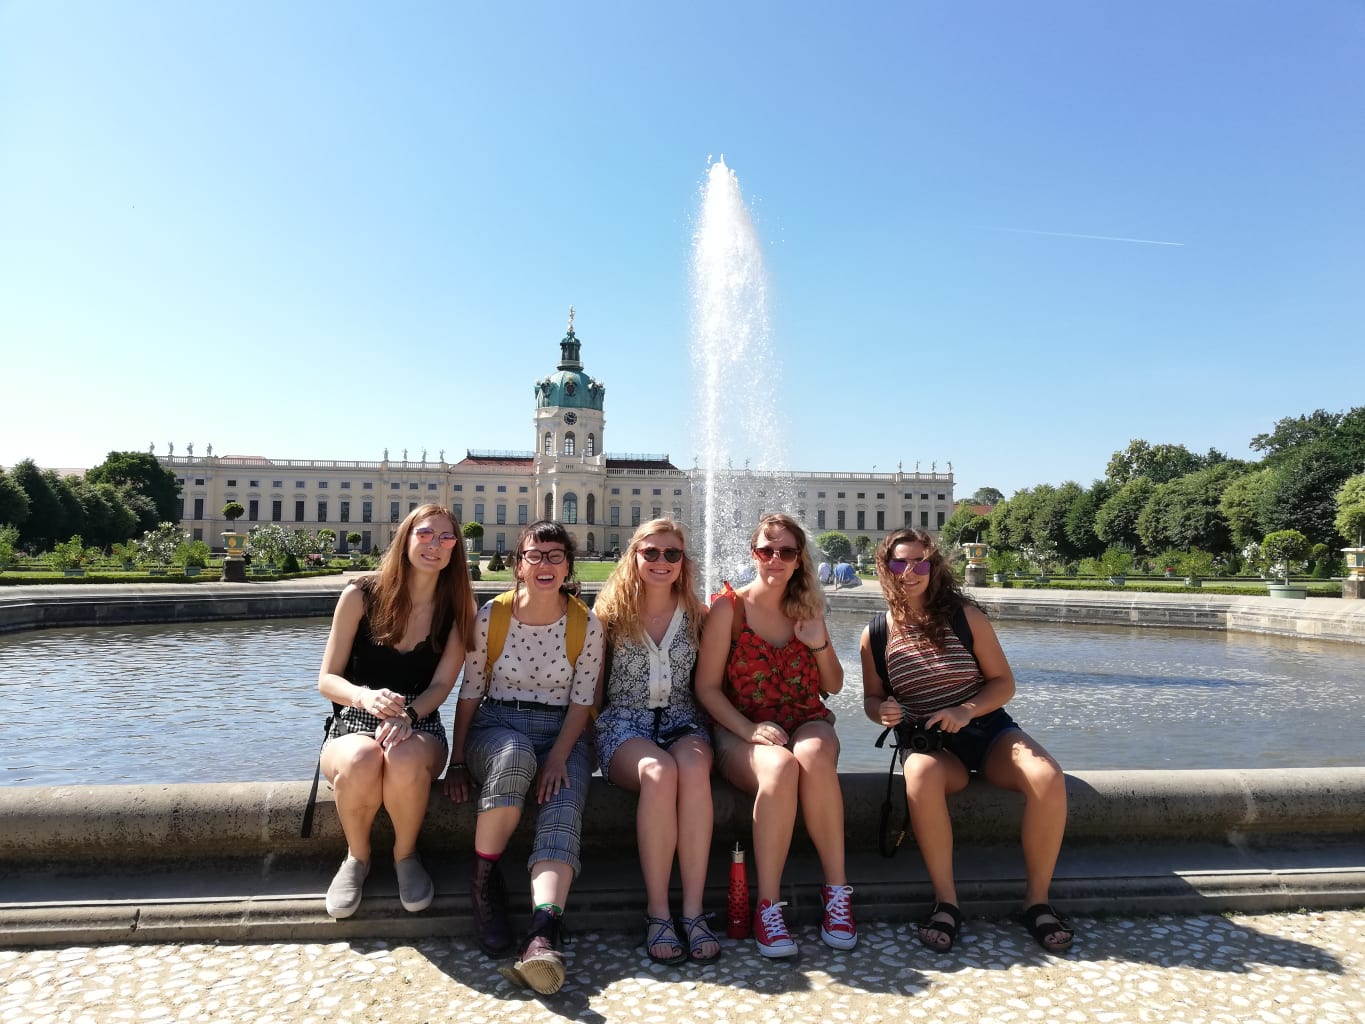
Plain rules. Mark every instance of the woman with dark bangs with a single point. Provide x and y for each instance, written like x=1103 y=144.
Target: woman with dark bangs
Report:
x=766 y=667
x=529 y=688
x=945 y=687
x=395 y=649
x=651 y=735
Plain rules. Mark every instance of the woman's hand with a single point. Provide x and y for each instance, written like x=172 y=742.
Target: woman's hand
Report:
x=554 y=776
x=456 y=783
x=811 y=632
x=393 y=731
x=949 y=719
x=768 y=734
x=889 y=712
x=382 y=703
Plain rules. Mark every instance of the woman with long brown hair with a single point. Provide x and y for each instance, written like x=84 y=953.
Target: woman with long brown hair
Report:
x=651 y=735
x=395 y=649
x=766 y=666
x=934 y=670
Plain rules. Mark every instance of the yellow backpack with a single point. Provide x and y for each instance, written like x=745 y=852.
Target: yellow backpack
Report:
x=500 y=620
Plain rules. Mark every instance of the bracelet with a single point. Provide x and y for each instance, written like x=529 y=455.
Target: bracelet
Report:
x=817 y=650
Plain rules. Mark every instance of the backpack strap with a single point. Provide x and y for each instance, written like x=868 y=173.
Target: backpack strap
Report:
x=963 y=629
x=876 y=639
x=576 y=629
x=499 y=621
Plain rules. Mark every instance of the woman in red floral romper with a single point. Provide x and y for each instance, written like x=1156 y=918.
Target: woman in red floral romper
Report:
x=765 y=666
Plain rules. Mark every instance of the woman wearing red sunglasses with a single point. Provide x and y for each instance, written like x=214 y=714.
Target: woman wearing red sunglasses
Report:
x=766 y=665
x=946 y=685
x=396 y=646
x=651 y=735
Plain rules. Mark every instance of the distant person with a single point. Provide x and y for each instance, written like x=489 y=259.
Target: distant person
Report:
x=395 y=649
x=652 y=737
x=824 y=572
x=844 y=575
x=944 y=679
x=529 y=688
x=766 y=666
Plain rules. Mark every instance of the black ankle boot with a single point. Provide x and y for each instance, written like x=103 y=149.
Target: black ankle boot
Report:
x=541 y=963
x=488 y=900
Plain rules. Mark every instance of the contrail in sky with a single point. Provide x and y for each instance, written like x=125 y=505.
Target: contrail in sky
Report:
x=1098 y=238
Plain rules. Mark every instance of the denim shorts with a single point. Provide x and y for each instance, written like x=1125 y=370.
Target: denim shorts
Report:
x=972 y=742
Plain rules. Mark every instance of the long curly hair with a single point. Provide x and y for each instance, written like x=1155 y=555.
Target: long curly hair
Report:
x=390 y=604
x=803 y=598
x=942 y=596
x=618 y=605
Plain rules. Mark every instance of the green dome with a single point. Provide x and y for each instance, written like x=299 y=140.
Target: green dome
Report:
x=569 y=387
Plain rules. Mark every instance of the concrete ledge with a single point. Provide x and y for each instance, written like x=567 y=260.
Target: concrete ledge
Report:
x=225 y=861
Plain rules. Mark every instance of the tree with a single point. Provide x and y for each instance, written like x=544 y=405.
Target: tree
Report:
x=47 y=519
x=1350 y=520
x=1283 y=548
x=9 y=537
x=836 y=546
x=142 y=472
x=1185 y=513
x=1299 y=495
x=1048 y=523
x=1241 y=506
x=233 y=511
x=1290 y=433
x=987 y=496
x=1080 y=519
x=1159 y=463
x=962 y=523
x=863 y=543
x=1012 y=521
x=107 y=519
x=1116 y=521
x=13 y=501
x=157 y=547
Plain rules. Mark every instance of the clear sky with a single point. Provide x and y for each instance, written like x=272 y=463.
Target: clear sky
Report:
x=1010 y=236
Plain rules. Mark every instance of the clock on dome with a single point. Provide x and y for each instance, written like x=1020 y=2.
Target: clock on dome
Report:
x=571 y=418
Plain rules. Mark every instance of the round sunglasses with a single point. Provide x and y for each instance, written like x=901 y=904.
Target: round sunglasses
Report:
x=425 y=535
x=652 y=554
x=899 y=566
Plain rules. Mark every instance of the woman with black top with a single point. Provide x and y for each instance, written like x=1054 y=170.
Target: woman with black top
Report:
x=947 y=677
x=396 y=646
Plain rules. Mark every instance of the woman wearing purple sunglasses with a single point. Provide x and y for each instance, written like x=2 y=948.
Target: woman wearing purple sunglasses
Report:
x=936 y=673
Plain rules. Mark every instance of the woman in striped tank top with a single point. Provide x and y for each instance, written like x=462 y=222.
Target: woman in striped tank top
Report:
x=946 y=686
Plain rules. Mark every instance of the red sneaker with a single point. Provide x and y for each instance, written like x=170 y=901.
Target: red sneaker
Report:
x=838 y=929
x=770 y=931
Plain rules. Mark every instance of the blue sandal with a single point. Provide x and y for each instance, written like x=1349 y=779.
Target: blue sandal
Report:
x=659 y=932
x=698 y=932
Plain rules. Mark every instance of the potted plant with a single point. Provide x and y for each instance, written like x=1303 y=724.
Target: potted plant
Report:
x=1350 y=522
x=1281 y=550
x=192 y=555
x=1115 y=563
x=1196 y=564
x=353 y=540
x=125 y=554
x=157 y=547
x=69 y=556
x=473 y=537
x=1001 y=564
x=233 y=542
x=9 y=537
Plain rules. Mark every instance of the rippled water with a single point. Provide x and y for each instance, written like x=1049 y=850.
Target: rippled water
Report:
x=238 y=702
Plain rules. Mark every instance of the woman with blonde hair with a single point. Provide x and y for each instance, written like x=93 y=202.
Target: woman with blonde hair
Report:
x=766 y=665
x=651 y=735
x=396 y=646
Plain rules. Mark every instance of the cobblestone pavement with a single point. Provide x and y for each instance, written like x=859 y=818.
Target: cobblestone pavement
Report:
x=1278 y=969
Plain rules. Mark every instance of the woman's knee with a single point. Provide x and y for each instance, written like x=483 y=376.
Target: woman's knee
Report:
x=515 y=754
x=359 y=761
x=926 y=778
x=776 y=768
x=659 y=773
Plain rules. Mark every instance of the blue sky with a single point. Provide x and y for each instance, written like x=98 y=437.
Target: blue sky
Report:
x=387 y=210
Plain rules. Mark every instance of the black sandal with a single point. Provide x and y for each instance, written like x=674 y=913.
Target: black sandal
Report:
x=697 y=932
x=942 y=927
x=1041 y=931
x=659 y=932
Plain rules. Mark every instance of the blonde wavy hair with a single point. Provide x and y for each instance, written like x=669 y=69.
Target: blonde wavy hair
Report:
x=622 y=596
x=803 y=598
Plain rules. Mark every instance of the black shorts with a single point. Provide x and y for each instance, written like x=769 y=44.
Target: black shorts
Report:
x=972 y=742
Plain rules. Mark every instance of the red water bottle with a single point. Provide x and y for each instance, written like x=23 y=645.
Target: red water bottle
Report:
x=738 y=925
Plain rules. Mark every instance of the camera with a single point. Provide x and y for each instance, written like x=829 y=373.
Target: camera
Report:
x=914 y=736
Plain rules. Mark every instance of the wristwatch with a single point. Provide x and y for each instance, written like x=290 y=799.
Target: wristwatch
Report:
x=412 y=714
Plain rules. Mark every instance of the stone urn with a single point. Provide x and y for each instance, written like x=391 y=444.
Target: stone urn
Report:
x=1355 y=562
x=234 y=567
x=975 y=552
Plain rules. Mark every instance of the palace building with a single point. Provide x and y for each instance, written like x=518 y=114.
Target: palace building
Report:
x=569 y=475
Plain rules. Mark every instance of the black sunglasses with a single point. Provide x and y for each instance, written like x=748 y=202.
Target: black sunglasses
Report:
x=652 y=554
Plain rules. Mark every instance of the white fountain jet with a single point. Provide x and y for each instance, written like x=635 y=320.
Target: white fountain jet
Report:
x=738 y=379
